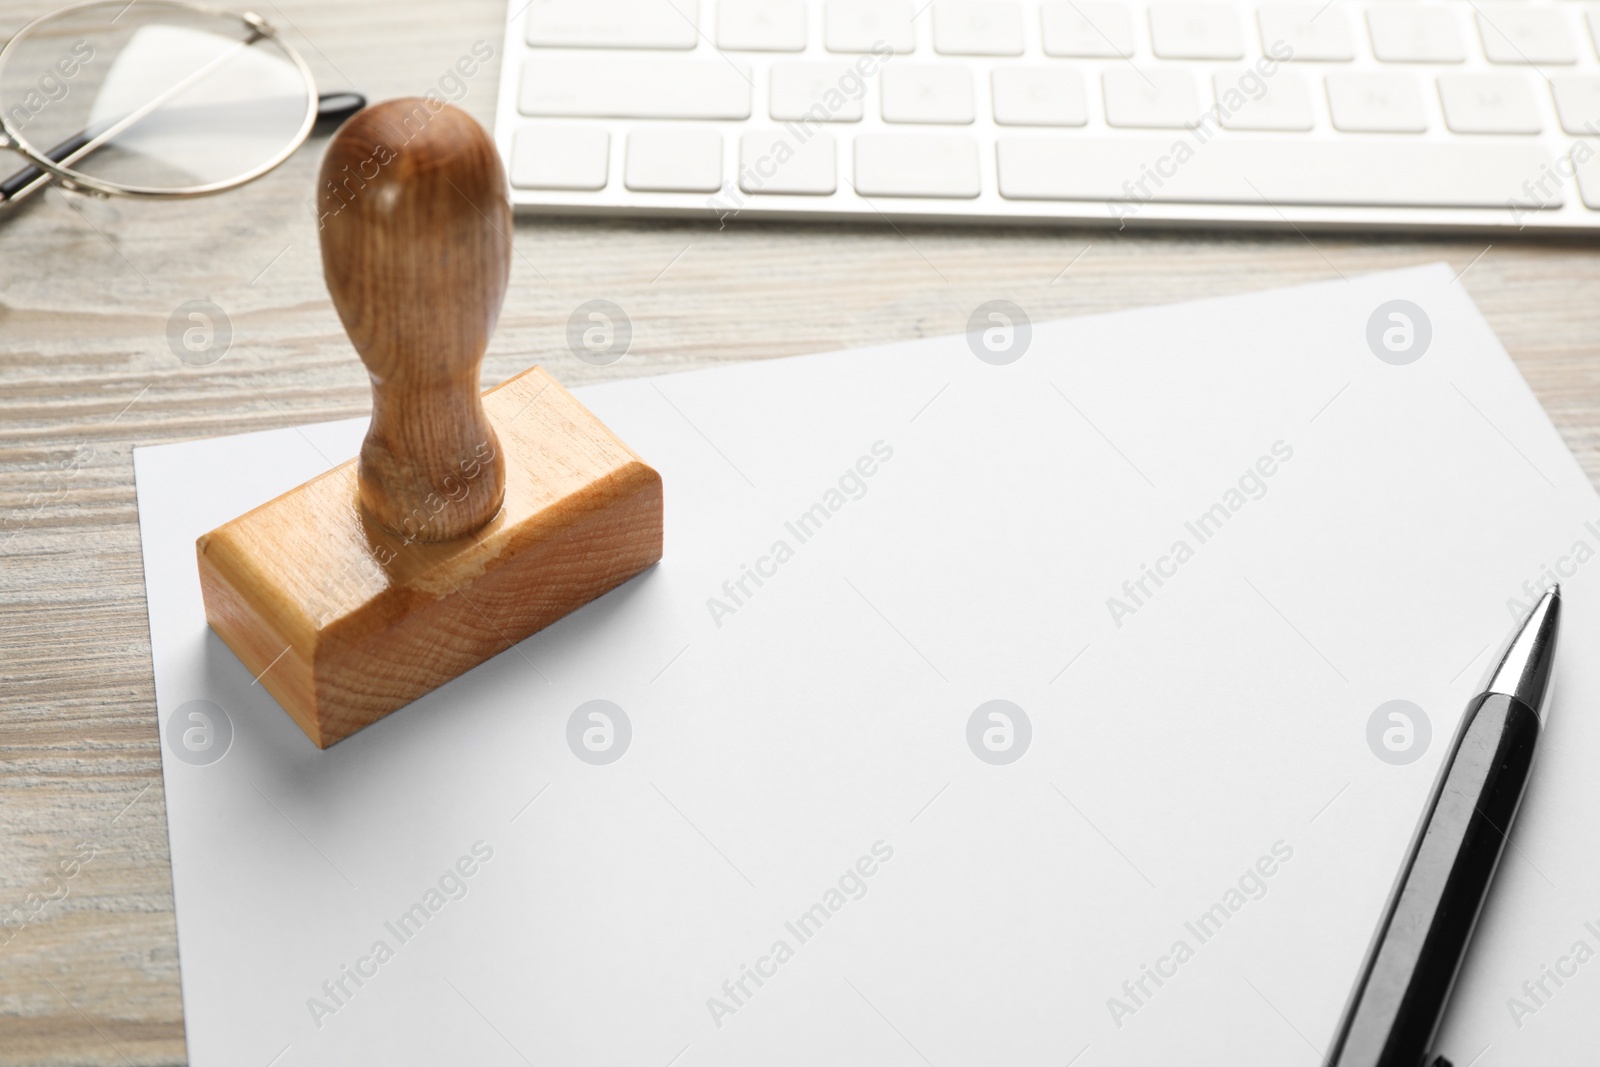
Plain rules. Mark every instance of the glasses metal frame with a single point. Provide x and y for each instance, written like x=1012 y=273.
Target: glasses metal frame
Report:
x=70 y=179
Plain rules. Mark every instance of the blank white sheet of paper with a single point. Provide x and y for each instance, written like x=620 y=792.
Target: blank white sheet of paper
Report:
x=1195 y=551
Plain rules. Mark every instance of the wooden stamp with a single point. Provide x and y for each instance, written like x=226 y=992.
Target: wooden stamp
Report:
x=468 y=522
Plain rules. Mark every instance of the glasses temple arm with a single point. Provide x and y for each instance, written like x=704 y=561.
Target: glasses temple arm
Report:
x=332 y=109
x=25 y=182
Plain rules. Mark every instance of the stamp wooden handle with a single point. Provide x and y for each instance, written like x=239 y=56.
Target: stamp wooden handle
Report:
x=415 y=222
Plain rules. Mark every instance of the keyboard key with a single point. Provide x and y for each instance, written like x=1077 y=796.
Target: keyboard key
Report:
x=560 y=157
x=613 y=23
x=777 y=161
x=673 y=159
x=1039 y=96
x=1313 y=32
x=1073 y=29
x=1538 y=190
x=1150 y=98
x=1387 y=173
x=1524 y=35
x=1195 y=31
x=1588 y=168
x=1577 y=103
x=1407 y=33
x=889 y=164
x=761 y=25
x=977 y=28
x=1247 y=101
x=635 y=87
x=1488 y=103
x=1375 y=103
x=821 y=92
x=860 y=25
x=927 y=93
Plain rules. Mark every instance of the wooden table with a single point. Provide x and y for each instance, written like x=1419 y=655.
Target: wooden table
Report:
x=86 y=373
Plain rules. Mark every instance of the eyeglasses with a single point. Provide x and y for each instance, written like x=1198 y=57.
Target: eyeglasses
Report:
x=153 y=98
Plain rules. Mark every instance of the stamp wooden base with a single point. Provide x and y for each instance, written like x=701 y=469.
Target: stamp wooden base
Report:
x=345 y=621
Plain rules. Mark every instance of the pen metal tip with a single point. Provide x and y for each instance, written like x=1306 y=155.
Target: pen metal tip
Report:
x=1524 y=670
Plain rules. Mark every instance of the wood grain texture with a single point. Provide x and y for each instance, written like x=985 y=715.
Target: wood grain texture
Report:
x=345 y=621
x=413 y=209
x=86 y=372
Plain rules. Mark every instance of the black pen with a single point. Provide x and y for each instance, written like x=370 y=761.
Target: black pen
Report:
x=1400 y=993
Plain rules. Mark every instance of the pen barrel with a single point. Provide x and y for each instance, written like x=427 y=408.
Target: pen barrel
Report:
x=1416 y=952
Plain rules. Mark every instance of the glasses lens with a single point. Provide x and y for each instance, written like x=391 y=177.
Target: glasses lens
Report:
x=152 y=97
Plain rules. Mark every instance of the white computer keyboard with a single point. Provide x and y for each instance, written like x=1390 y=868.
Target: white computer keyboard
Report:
x=1393 y=113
